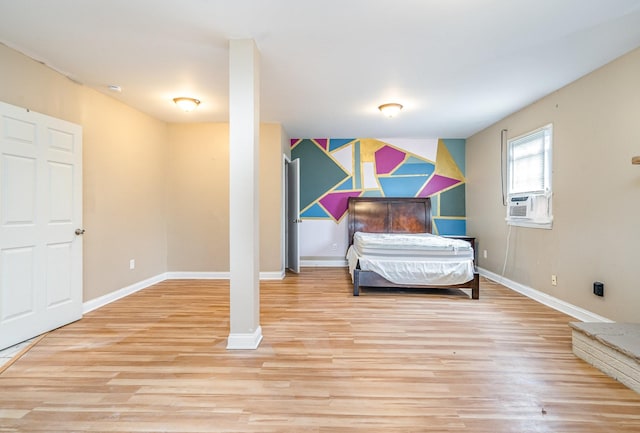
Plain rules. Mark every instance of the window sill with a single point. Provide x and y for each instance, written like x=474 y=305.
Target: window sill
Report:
x=546 y=224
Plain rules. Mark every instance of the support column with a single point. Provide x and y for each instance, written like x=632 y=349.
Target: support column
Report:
x=244 y=243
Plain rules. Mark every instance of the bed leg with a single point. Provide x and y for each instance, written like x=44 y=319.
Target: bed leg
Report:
x=356 y=282
x=475 y=288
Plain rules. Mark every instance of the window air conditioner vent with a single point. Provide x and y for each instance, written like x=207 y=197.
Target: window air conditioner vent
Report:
x=519 y=207
x=518 y=211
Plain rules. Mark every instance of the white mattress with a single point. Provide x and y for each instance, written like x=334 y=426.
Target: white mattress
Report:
x=410 y=244
x=412 y=259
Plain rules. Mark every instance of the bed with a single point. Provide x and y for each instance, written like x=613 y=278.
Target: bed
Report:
x=402 y=224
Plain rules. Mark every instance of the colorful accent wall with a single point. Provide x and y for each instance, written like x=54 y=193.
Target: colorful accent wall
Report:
x=334 y=169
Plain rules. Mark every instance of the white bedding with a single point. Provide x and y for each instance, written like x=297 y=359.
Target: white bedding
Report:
x=412 y=259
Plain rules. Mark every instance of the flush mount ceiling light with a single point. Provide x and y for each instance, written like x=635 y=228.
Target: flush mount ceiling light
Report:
x=391 y=109
x=186 y=104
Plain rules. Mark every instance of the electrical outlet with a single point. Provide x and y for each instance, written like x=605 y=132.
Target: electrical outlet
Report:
x=598 y=288
x=132 y=264
x=554 y=280
x=484 y=254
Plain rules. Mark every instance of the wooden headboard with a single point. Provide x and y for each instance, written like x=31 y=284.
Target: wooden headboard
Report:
x=389 y=215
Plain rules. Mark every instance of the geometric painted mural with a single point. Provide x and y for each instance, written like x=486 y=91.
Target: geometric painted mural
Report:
x=332 y=170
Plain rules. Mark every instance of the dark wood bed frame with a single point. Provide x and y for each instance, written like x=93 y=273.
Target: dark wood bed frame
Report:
x=393 y=215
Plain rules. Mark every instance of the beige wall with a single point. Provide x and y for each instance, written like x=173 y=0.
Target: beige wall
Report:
x=271 y=197
x=152 y=192
x=596 y=203
x=198 y=197
x=124 y=163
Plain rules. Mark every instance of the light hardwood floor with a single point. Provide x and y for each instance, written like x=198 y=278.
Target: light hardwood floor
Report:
x=432 y=361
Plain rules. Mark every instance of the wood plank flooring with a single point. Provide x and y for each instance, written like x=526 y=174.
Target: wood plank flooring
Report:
x=411 y=361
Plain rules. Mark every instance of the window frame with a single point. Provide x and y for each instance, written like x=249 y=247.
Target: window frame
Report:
x=539 y=185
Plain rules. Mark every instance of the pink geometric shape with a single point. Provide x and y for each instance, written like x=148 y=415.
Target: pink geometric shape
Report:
x=294 y=141
x=387 y=159
x=336 y=202
x=323 y=142
x=436 y=184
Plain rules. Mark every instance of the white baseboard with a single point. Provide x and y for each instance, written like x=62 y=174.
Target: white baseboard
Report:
x=121 y=293
x=125 y=291
x=197 y=275
x=275 y=275
x=320 y=263
x=548 y=300
x=240 y=341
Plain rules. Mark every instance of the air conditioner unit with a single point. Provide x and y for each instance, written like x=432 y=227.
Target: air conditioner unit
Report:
x=529 y=209
x=519 y=207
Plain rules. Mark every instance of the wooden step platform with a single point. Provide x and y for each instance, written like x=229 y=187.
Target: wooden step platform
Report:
x=614 y=348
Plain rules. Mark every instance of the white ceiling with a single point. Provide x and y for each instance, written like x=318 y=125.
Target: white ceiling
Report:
x=456 y=65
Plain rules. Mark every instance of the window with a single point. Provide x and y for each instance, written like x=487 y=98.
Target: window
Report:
x=529 y=159
x=529 y=179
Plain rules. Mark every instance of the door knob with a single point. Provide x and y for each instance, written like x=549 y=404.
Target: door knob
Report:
x=79 y=232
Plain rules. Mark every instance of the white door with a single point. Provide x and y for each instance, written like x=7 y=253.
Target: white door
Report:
x=293 y=215
x=40 y=210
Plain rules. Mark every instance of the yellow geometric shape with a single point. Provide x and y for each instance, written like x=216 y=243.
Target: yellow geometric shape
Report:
x=445 y=164
x=368 y=148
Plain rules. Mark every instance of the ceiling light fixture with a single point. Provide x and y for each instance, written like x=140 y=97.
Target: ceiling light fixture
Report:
x=390 y=110
x=186 y=104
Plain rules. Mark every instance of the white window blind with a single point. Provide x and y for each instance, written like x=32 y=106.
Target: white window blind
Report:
x=529 y=179
x=530 y=162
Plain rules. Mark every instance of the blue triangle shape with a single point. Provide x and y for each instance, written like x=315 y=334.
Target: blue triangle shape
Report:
x=336 y=143
x=347 y=185
x=314 y=211
x=402 y=186
x=415 y=165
